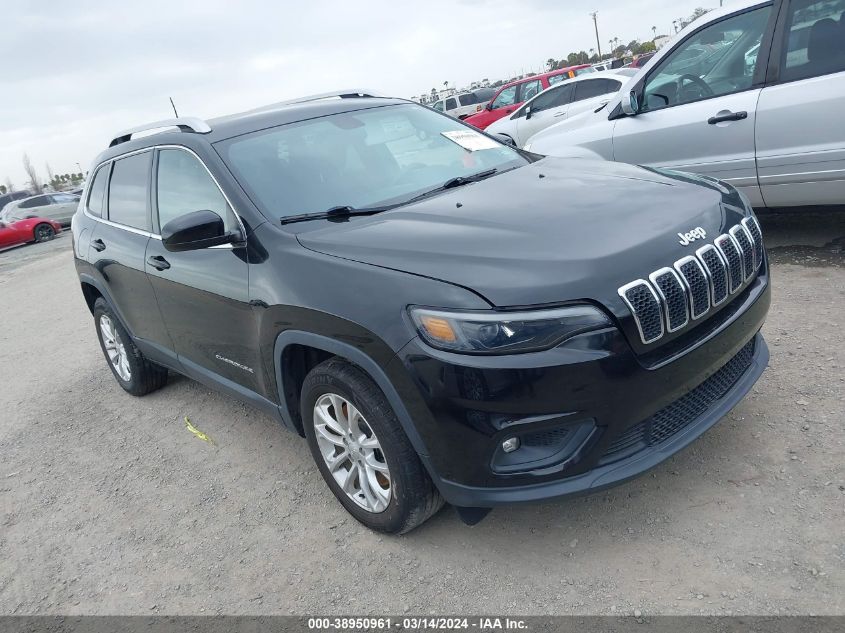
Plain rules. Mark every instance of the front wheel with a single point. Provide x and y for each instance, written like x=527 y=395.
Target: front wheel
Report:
x=362 y=452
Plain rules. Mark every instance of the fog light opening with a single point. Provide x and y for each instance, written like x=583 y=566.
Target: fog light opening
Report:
x=510 y=444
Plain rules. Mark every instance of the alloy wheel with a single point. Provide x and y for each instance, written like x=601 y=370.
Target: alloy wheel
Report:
x=115 y=348
x=352 y=452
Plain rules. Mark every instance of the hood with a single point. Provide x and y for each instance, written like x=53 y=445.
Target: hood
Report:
x=548 y=232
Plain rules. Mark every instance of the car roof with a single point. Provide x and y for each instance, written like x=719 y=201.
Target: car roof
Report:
x=260 y=118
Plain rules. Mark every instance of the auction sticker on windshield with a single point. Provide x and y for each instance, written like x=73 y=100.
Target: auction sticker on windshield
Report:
x=470 y=140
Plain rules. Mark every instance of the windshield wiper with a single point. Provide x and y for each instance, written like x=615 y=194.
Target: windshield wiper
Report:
x=342 y=211
x=457 y=181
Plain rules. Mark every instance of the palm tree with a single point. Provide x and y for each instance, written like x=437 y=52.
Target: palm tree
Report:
x=654 y=30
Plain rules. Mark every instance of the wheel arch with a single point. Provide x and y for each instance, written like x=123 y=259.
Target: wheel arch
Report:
x=92 y=290
x=322 y=347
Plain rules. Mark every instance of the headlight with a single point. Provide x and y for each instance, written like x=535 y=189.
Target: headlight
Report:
x=505 y=332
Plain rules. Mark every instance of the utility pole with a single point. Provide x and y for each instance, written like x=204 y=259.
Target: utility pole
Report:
x=596 y=25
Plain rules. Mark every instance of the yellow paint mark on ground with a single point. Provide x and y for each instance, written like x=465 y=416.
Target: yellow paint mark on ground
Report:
x=197 y=432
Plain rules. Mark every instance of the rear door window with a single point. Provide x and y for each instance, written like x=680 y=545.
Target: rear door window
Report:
x=591 y=88
x=128 y=191
x=815 y=39
x=451 y=104
x=467 y=99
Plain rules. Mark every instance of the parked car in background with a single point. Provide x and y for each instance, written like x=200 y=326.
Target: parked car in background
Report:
x=560 y=101
x=464 y=104
x=739 y=95
x=510 y=96
x=640 y=61
x=55 y=206
x=29 y=230
x=6 y=198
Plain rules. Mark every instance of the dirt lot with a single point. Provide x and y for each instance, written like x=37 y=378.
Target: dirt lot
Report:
x=108 y=505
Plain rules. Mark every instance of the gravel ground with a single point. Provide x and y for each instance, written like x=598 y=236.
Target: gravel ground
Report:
x=108 y=505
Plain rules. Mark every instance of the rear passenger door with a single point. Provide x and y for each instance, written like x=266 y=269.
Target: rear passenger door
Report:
x=800 y=134
x=118 y=243
x=203 y=294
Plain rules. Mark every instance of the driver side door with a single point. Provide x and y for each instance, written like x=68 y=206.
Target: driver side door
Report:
x=699 y=103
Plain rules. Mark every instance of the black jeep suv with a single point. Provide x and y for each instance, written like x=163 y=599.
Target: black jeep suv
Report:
x=442 y=316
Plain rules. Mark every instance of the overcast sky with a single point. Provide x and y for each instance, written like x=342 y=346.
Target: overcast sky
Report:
x=75 y=73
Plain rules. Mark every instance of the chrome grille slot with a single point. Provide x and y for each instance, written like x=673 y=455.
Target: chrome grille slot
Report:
x=756 y=234
x=730 y=251
x=674 y=298
x=697 y=285
x=717 y=271
x=643 y=303
x=743 y=240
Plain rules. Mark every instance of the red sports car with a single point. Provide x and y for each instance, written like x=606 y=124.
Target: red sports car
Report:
x=28 y=230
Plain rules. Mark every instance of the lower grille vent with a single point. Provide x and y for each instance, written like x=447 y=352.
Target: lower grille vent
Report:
x=686 y=409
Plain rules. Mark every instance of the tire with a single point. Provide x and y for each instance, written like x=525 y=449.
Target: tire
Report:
x=412 y=496
x=43 y=233
x=133 y=372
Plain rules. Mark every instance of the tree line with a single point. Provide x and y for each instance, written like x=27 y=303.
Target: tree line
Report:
x=34 y=183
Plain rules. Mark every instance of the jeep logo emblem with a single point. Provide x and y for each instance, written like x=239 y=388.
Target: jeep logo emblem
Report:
x=696 y=234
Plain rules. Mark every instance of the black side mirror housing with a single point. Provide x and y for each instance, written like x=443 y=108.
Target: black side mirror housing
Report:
x=195 y=230
x=489 y=105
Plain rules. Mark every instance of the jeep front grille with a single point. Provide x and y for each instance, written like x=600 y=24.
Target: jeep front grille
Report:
x=672 y=297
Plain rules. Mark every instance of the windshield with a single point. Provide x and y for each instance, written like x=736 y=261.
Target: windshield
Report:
x=365 y=158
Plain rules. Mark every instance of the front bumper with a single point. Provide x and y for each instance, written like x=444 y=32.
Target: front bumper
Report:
x=464 y=407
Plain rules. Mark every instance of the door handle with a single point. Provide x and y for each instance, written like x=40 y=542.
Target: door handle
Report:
x=98 y=245
x=728 y=116
x=560 y=114
x=158 y=262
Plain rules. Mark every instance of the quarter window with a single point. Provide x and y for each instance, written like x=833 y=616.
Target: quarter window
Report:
x=97 y=191
x=815 y=39
x=183 y=186
x=711 y=63
x=128 y=191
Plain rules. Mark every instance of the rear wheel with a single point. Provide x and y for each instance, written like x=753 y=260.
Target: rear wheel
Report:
x=43 y=232
x=362 y=452
x=131 y=369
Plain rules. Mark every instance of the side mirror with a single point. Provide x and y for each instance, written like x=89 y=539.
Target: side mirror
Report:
x=489 y=105
x=504 y=138
x=527 y=113
x=631 y=105
x=192 y=231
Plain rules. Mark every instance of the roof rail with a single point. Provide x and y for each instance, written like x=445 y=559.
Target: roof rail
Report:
x=347 y=93
x=185 y=124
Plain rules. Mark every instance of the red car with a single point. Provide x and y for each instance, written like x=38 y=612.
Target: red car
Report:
x=514 y=94
x=28 y=230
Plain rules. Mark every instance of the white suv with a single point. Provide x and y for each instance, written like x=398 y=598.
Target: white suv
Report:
x=751 y=94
